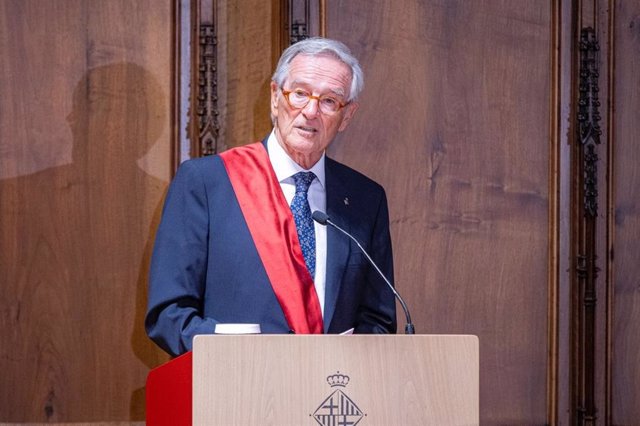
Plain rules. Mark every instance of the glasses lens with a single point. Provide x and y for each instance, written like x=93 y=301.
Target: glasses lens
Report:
x=300 y=98
x=329 y=105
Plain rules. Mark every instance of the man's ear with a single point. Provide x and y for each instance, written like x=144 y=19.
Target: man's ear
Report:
x=350 y=111
x=274 y=99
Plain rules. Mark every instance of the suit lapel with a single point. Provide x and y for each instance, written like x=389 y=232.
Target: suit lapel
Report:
x=337 y=243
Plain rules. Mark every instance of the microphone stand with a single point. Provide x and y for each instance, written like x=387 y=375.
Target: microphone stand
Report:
x=323 y=219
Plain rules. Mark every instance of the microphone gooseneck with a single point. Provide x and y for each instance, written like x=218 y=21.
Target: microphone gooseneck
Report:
x=323 y=219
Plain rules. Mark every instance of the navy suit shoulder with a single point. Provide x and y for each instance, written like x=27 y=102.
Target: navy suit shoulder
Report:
x=205 y=267
x=350 y=176
x=208 y=170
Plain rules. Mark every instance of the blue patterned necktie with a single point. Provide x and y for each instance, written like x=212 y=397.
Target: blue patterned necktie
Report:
x=304 y=221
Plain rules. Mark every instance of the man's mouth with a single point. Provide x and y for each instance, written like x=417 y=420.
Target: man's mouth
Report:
x=306 y=129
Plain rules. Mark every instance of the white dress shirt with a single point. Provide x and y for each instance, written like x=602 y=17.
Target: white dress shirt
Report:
x=285 y=168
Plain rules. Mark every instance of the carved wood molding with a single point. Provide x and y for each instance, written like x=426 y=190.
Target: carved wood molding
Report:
x=585 y=229
x=207 y=92
x=299 y=20
x=203 y=127
x=589 y=116
x=304 y=19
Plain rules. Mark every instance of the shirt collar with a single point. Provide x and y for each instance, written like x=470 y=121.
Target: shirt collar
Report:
x=285 y=167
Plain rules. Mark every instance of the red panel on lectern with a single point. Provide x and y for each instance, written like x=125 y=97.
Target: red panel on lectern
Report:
x=169 y=393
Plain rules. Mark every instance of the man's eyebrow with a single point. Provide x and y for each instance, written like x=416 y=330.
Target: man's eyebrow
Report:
x=339 y=91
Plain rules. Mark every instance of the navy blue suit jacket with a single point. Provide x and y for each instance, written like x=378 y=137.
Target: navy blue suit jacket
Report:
x=206 y=269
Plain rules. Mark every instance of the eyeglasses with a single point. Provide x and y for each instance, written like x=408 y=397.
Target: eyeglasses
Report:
x=299 y=99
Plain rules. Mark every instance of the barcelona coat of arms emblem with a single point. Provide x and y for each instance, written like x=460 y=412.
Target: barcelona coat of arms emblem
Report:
x=338 y=409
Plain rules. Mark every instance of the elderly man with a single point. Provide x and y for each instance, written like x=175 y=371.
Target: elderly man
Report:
x=237 y=243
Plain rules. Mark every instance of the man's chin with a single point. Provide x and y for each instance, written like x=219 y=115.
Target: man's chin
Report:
x=303 y=144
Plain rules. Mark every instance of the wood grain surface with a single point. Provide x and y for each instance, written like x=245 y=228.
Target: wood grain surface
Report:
x=84 y=119
x=389 y=380
x=454 y=122
x=625 y=221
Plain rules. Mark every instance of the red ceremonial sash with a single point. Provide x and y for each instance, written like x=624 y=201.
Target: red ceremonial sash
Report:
x=271 y=224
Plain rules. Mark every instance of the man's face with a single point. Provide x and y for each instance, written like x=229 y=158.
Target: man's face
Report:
x=306 y=132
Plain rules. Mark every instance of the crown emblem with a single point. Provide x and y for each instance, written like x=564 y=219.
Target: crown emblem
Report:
x=338 y=408
x=338 y=380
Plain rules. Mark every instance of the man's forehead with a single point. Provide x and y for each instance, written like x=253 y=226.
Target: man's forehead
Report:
x=326 y=59
x=326 y=69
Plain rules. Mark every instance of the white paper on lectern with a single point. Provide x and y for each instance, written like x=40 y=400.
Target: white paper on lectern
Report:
x=229 y=328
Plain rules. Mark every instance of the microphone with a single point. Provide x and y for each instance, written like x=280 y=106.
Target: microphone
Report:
x=323 y=219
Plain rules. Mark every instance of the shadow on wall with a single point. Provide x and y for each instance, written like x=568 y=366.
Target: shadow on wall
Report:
x=76 y=245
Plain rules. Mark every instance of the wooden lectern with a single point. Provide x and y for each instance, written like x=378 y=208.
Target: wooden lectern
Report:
x=324 y=380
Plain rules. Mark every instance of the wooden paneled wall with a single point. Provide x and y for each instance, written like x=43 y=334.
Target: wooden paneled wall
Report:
x=229 y=105
x=455 y=124
x=468 y=119
x=623 y=214
x=250 y=42
x=85 y=111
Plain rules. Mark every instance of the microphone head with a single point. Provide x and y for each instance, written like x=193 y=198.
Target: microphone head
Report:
x=320 y=217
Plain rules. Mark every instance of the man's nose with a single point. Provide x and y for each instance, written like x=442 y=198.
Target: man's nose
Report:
x=312 y=108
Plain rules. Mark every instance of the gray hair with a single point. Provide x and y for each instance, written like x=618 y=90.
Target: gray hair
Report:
x=321 y=46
